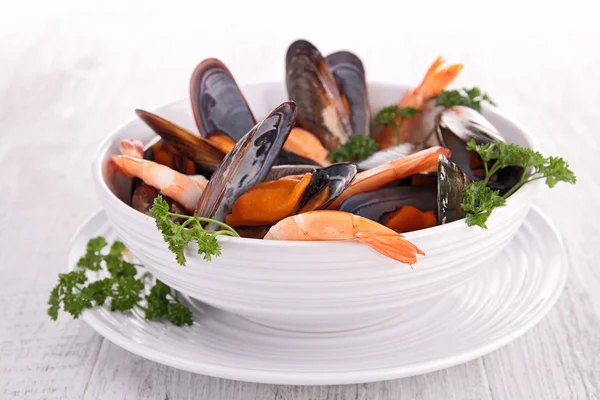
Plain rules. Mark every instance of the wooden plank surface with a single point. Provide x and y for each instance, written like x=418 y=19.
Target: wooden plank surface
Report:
x=71 y=75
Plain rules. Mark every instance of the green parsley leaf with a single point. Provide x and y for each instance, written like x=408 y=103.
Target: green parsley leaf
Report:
x=179 y=235
x=395 y=116
x=389 y=115
x=162 y=304
x=124 y=291
x=480 y=200
x=357 y=148
x=157 y=301
x=179 y=314
x=93 y=257
x=471 y=98
x=98 y=291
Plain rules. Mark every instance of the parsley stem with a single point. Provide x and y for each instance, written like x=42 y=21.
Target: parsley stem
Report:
x=518 y=185
x=428 y=135
x=190 y=220
x=485 y=166
x=203 y=219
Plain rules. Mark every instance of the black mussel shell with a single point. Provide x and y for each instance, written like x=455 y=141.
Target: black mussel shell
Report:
x=196 y=148
x=451 y=183
x=349 y=74
x=217 y=101
x=281 y=171
x=340 y=176
x=318 y=182
x=375 y=205
x=312 y=86
x=455 y=126
x=289 y=158
x=247 y=164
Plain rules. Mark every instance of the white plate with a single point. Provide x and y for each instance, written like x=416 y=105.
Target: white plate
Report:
x=487 y=312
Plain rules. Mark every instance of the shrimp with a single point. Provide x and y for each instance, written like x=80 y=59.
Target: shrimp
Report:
x=132 y=148
x=307 y=145
x=436 y=79
x=182 y=188
x=422 y=161
x=339 y=225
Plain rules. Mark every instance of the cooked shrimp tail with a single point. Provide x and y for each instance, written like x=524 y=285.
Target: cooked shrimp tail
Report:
x=393 y=246
x=435 y=81
x=437 y=78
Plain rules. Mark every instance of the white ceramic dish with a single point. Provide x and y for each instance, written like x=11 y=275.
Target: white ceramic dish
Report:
x=487 y=312
x=309 y=286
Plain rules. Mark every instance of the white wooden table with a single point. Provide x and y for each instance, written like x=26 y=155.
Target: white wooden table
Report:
x=69 y=73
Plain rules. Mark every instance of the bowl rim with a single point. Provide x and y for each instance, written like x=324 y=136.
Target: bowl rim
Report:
x=105 y=144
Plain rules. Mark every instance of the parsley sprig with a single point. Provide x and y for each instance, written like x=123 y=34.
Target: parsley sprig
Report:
x=394 y=115
x=480 y=200
x=357 y=148
x=179 y=235
x=471 y=98
x=122 y=287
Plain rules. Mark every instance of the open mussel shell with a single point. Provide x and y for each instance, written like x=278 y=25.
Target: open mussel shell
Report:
x=312 y=86
x=458 y=125
x=198 y=149
x=217 y=101
x=316 y=193
x=281 y=171
x=349 y=74
x=247 y=164
x=455 y=126
x=289 y=158
x=393 y=153
x=163 y=153
x=375 y=205
x=340 y=177
x=451 y=183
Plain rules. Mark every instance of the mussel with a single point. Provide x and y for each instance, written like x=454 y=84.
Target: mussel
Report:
x=247 y=164
x=455 y=126
x=340 y=177
x=377 y=204
x=313 y=87
x=413 y=205
x=451 y=183
x=197 y=149
x=222 y=113
x=294 y=191
x=281 y=171
x=217 y=101
x=349 y=74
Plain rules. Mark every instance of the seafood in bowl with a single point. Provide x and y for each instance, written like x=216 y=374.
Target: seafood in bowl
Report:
x=324 y=242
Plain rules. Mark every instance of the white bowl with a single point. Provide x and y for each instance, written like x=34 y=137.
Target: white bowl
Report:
x=309 y=286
